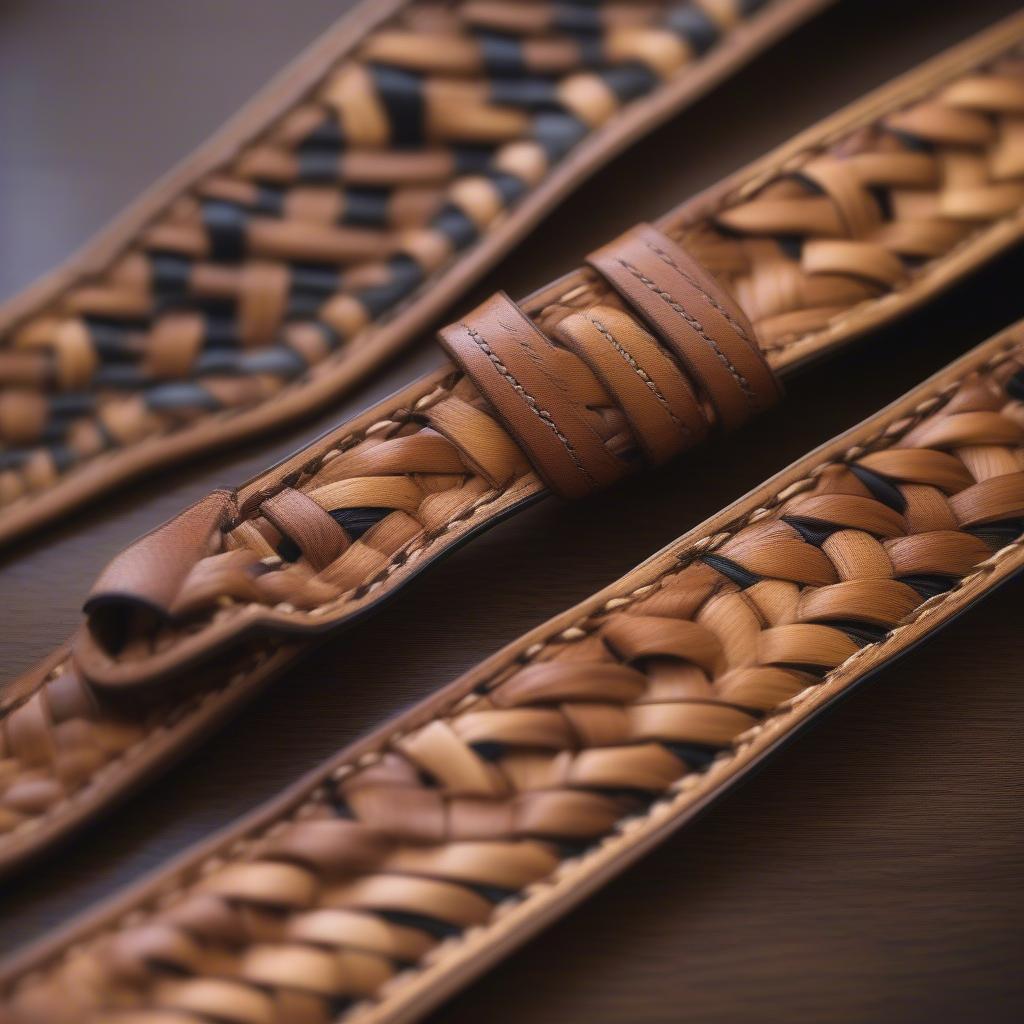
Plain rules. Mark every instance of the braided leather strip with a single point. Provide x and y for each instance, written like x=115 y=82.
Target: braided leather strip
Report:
x=403 y=860
x=275 y=267
x=405 y=482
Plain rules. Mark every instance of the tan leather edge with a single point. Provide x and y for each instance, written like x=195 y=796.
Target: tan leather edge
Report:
x=453 y=963
x=333 y=376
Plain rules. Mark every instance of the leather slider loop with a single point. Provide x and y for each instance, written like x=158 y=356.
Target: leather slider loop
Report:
x=515 y=367
x=693 y=317
x=643 y=380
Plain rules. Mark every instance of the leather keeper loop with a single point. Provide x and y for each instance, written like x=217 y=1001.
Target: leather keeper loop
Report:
x=693 y=317
x=647 y=385
x=515 y=368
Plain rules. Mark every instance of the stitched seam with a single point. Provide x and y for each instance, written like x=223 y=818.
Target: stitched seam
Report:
x=894 y=295
x=678 y=793
x=542 y=414
x=696 y=285
x=929 y=403
x=641 y=373
x=742 y=383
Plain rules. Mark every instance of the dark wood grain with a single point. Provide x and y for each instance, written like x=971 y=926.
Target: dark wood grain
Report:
x=872 y=872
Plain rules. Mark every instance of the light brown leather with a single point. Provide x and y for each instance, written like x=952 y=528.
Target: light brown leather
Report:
x=150 y=573
x=429 y=468
x=649 y=388
x=336 y=217
x=411 y=861
x=298 y=517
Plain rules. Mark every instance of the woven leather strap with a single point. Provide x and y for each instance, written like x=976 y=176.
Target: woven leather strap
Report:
x=336 y=218
x=194 y=619
x=411 y=861
x=702 y=364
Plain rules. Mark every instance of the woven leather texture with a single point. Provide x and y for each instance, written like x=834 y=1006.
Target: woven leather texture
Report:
x=384 y=496
x=858 y=221
x=391 y=860
x=394 y=494
x=849 y=221
x=272 y=270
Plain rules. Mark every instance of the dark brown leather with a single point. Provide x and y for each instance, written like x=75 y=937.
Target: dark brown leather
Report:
x=694 y=317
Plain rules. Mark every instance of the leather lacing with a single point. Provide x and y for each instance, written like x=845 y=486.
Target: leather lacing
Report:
x=444 y=458
x=404 y=157
x=445 y=824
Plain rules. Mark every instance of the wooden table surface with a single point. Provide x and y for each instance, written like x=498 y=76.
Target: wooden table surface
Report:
x=874 y=871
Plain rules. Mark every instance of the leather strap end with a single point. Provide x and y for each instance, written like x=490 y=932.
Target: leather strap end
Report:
x=149 y=573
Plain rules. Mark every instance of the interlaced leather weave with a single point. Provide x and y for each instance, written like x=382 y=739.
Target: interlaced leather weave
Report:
x=914 y=175
x=336 y=530
x=450 y=822
x=855 y=219
x=401 y=159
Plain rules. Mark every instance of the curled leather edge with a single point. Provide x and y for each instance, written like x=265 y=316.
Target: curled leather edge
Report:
x=269 y=623
x=413 y=994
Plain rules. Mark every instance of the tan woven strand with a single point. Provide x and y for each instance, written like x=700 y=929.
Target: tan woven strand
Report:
x=447 y=826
